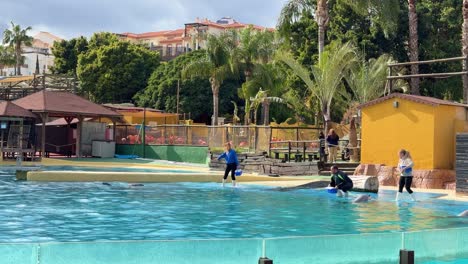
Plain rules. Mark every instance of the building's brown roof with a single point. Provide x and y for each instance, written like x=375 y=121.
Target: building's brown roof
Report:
x=117 y=107
x=415 y=98
x=62 y=104
x=9 y=109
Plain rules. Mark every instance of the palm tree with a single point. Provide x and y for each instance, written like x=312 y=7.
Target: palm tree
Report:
x=16 y=38
x=235 y=117
x=465 y=49
x=328 y=74
x=383 y=13
x=254 y=49
x=216 y=66
x=367 y=80
x=413 y=44
x=293 y=10
x=262 y=98
x=271 y=79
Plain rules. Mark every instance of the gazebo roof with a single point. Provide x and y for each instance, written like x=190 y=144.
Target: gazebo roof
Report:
x=9 y=109
x=63 y=104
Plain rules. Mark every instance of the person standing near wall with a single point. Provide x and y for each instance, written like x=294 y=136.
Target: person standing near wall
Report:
x=322 y=146
x=405 y=167
x=332 y=142
x=232 y=162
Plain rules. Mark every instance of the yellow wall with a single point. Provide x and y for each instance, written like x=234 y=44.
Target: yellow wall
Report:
x=386 y=130
x=444 y=137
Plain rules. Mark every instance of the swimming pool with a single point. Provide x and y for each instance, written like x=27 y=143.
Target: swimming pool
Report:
x=41 y=212
x=138 y=221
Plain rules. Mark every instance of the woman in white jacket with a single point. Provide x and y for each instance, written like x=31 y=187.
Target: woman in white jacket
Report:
x=405 y=166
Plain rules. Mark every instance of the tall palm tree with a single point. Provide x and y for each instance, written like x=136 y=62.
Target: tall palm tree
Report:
x=17 y=37
x=328 y=74
x=413 y=44
x=465 y=49
x=293 y=10
x=384 y=13
x=216 y=66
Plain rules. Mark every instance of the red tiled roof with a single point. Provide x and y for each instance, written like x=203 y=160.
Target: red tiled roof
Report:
x=10 y=109
x=415 y=98
x=62 y=104
x=178 y=32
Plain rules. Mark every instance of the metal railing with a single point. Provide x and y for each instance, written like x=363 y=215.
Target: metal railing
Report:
x=243 y=138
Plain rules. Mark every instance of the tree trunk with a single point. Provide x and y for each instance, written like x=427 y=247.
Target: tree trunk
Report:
x=413 y=44
x=248 y=77
x=465 y=50
x=18 y=60
x=322 y=22
x=247 y=113
x=326 y=118
x=266 y=112
x=215 y=90
x=353 y=140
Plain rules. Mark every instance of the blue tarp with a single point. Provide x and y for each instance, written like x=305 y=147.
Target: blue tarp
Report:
x=117 y=156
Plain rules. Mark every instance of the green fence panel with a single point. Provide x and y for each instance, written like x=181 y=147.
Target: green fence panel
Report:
x=188 y=154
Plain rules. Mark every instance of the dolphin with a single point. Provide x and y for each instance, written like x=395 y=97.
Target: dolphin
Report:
x=463 y=214
x=362 y=198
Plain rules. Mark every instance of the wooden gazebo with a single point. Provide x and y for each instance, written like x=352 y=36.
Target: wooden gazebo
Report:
x=50 y=104
x=12 y=121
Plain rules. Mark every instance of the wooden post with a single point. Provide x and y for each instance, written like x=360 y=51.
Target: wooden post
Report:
x=391 y=82
x=20 y=137
x=113 y=130
x=78 y=136
x=1 y=148
x=44 y=117
x=143 y=133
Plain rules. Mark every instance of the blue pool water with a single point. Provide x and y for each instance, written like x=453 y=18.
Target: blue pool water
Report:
x=42 y=212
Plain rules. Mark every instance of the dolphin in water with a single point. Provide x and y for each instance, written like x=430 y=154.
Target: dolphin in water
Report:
x=463 y=214
x=362 y=198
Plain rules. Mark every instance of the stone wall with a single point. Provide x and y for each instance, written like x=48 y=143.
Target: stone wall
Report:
x=461 y=166
x=427 y=179
x=262 y=165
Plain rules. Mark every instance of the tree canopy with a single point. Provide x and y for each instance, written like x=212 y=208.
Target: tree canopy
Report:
x=66 y=54
x=114 y=71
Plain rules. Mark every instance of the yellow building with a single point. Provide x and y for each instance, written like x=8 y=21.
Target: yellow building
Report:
x=423 y=125
x=135 y=115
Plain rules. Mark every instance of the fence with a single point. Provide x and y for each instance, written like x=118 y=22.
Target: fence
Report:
x=243 y=138
x=446 y=244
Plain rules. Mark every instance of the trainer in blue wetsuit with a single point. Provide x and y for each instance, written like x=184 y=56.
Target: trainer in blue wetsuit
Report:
x=340 y=181
x=232 y=162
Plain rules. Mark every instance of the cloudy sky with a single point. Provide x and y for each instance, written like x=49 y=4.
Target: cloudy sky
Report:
x=67 y=18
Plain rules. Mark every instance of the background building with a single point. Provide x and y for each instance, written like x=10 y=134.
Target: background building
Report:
x=171 y=43
x=40 y=51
